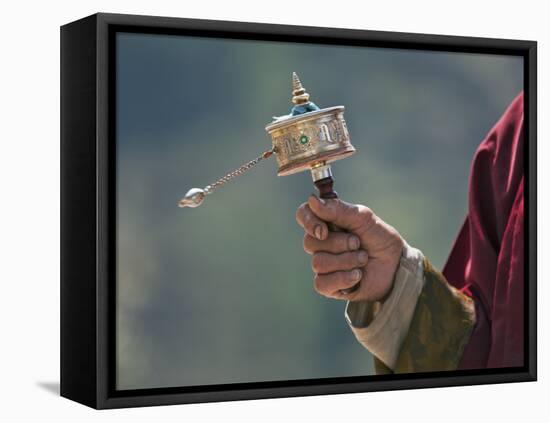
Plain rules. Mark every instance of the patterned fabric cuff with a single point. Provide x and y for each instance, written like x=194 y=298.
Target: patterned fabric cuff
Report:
x=382 y=327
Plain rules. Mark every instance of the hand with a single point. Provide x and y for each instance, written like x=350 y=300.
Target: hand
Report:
x=368 y=252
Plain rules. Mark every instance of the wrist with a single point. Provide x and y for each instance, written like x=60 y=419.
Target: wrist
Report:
x=398 y=257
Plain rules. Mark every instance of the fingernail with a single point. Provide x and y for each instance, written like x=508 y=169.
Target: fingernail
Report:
x=353 y=242
x=362 y=256
x=318 y=231
x=356 y=275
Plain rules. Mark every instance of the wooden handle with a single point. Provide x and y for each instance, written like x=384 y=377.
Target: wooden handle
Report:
x=326 y=191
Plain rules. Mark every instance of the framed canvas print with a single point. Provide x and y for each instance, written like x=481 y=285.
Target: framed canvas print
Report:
x=255 y=211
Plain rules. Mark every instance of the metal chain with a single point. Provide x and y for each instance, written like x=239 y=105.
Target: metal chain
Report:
x=208 y=189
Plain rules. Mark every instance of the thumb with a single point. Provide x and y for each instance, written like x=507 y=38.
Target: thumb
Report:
x=345 y=215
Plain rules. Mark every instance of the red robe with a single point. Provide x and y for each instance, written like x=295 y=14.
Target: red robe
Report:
x=487 y=261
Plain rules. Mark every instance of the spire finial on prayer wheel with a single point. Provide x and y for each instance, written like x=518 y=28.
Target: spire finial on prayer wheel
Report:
x=299 y=95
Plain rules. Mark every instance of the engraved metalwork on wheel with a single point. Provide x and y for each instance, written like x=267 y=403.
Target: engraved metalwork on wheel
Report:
x=314 y=136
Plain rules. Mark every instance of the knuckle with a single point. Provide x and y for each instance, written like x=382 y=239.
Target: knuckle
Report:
x=299 y=212
x=307 y=218
x=317 y=262
x=357 y=215
x=367 y=217
x=307 y=244
x=317 y=284
x=365 y=213
x=350 y=209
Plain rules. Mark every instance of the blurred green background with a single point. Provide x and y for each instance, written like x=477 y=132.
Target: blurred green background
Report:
x=223 y=293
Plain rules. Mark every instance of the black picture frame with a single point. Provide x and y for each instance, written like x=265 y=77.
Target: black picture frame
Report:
x=88 y=209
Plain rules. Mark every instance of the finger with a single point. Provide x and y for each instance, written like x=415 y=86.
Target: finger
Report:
x=348 y=294
x=311 y=223
x=336 y=243
x=351 y=217
x=323 y=263
x=330 y=284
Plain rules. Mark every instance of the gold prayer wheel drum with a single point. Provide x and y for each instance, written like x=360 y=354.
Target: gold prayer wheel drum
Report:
x=310 y=139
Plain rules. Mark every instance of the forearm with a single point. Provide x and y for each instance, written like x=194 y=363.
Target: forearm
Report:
x=383 y=327
x=423 y=325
